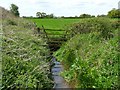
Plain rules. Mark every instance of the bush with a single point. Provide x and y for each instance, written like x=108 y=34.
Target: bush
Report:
x=100 y=25
x=116 y=24
x=11 y=22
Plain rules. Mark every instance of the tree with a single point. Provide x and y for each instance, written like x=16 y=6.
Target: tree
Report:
x=93 y=16
x=101 y=15
x=38 y=14
x=114 y=13
x=14 y=9
x=85 y=16
x=43 y=14
x=51 y=15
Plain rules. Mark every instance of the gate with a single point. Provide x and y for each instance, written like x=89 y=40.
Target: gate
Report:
x=56 y=37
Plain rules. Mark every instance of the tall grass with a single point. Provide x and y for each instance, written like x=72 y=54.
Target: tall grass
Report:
x=91 y=60
x=25 y=62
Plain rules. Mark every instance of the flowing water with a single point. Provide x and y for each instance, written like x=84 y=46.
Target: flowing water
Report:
x=59 y=82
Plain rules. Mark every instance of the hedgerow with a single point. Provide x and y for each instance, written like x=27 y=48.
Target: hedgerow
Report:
x=102 y=26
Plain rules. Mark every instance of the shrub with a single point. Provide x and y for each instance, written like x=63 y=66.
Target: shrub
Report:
x=100 y=25
x=11 y=22
x=116 y=24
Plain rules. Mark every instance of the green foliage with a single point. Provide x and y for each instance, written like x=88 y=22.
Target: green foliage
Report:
x=114 y=13
x=85 y=16
x=90 y=61
x=116 y=24
x=24 y=57
x=102 y=26
x=38 y=14
x=102 y=15
x=44 y=15
x=14 y=9
x=11 y=22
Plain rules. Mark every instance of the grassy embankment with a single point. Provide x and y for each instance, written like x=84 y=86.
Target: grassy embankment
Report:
x=24 y=55
x=90 y=57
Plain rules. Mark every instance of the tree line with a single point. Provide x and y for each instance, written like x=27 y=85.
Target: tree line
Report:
x=114 y=13
x=44 y=15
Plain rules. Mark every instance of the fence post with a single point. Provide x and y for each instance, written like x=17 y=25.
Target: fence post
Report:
x=45 y=33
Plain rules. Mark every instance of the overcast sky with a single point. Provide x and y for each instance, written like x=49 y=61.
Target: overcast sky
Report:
x=61 y=7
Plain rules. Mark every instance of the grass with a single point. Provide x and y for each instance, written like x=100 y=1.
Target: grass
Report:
x=54 y=23
x=90 y=59
x=25 y=61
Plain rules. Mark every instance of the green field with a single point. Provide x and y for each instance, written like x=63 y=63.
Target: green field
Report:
x=54 y=23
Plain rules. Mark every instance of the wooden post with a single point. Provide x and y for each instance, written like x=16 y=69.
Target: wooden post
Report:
x=45 y=33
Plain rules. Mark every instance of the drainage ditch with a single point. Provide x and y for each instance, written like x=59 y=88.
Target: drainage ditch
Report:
x=59 y=82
